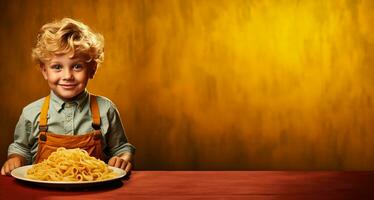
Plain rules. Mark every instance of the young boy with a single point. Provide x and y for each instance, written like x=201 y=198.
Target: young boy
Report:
x=68 y=54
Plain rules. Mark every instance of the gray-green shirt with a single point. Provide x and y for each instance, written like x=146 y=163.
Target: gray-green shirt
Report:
x=69 y=118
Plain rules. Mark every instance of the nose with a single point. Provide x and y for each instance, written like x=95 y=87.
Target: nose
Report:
x=68 y=74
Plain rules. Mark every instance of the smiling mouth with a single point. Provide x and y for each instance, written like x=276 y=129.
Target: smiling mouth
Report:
x=67 y=86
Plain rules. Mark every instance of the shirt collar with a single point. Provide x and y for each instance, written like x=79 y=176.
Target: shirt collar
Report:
x=80 y=100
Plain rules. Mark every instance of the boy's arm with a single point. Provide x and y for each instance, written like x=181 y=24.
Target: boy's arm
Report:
x=14 y=161
x=121 y=151
x=19 y=151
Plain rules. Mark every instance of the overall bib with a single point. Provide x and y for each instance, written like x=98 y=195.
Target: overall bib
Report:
x=49 y=142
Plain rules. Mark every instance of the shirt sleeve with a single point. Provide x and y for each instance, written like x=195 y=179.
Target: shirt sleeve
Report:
x=116 y=137
x=20 y=144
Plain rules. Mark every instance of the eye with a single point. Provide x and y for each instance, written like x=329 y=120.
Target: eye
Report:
x=56 y=67
x=78 y=67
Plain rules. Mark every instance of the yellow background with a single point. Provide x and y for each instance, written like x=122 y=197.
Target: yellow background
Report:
x=223 y=84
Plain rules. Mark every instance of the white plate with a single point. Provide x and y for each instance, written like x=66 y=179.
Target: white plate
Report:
x=20 y=174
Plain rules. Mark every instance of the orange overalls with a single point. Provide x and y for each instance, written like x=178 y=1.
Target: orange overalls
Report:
x=48 y=142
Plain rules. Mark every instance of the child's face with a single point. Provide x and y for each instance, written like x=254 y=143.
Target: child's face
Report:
x=67 y=77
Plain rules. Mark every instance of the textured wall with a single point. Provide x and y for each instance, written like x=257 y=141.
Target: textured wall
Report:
x=217 y=84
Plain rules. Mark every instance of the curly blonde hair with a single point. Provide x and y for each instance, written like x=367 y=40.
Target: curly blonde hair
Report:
x=68 y=36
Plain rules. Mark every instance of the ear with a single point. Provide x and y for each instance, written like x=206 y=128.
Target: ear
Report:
x=92 y=71
x=44 y=71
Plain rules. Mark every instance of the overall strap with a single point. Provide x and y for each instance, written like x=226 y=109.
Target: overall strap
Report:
x=43 y=115
x=95 y=112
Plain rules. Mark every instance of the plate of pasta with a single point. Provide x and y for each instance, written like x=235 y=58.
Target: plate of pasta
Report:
x=68 y=167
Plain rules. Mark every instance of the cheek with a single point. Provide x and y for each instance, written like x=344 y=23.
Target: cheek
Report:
x=82 y=77
x=50 y=77
x=53 y=78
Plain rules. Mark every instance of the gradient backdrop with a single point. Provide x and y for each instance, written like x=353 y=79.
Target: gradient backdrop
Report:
x=217 y=85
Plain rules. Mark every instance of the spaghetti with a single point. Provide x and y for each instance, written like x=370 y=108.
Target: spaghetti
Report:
x=70 y=165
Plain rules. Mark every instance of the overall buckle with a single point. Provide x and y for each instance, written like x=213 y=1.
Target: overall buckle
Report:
x=96 y=126
x=43 y=128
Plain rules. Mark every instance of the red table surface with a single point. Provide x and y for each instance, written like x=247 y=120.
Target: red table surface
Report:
x=209 y=185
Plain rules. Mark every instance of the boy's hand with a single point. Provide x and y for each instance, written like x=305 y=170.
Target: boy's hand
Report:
x=14 y=161
x=122 y=161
